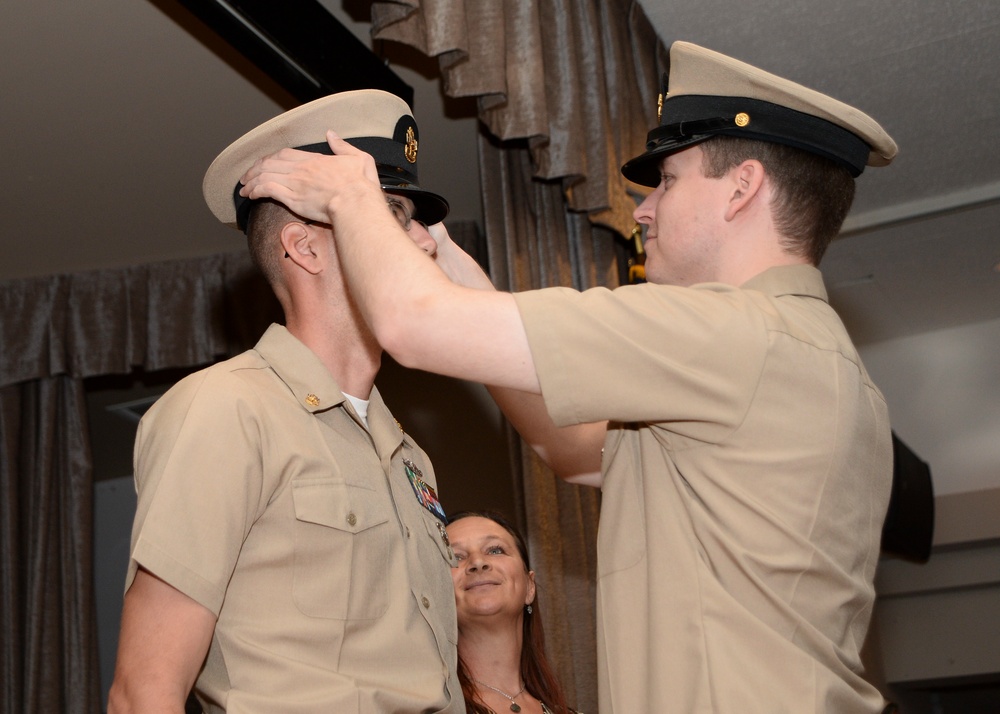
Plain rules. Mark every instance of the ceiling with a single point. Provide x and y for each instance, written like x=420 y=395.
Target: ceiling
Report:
x=112 y=110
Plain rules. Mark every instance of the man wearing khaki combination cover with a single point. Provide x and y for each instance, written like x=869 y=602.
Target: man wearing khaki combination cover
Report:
x=289 y=549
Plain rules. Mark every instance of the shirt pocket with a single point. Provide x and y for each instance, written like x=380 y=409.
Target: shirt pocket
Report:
x=343 y=542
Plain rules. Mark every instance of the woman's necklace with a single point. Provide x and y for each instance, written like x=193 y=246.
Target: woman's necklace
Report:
x=514 y=706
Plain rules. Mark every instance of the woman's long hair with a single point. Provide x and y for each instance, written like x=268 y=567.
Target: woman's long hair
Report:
x=540 y=681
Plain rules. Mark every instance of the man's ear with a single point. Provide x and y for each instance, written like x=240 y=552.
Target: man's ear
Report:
x=748 y=178
x=299 y=245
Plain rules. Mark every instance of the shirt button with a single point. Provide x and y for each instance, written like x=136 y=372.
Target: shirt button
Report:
x=352 y=519
x=407 y=531
x=426 y=602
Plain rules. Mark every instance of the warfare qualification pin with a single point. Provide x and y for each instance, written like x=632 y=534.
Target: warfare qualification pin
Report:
x=425 y=493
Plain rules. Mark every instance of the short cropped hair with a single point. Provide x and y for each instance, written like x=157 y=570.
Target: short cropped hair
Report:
x=812 y=194
x=264 y=224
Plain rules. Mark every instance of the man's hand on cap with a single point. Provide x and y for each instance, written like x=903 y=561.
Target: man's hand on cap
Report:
x=310 y=184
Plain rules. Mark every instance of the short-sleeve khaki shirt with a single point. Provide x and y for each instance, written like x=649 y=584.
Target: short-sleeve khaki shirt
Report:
x=264 y=497
x=747 y=471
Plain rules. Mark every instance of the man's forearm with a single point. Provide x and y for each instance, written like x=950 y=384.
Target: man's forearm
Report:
x=419 y=316
x=572 y=452
x=393 y=281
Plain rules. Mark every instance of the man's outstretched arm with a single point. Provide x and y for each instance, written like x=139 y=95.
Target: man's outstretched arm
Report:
x=572 y=452
x=417 y=314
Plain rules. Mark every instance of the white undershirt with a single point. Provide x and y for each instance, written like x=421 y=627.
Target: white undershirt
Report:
x=360 y=406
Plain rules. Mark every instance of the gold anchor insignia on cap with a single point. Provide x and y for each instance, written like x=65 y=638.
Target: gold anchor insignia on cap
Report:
x=742 y=119
x=312 y=400
x=410 y=152
x=659 y=107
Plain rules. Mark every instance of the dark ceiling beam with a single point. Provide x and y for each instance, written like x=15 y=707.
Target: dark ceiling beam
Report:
x=300 y=45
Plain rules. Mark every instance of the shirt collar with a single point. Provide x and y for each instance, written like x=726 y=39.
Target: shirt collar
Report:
x=801 y=280
x=300 y=369
x=316 y=390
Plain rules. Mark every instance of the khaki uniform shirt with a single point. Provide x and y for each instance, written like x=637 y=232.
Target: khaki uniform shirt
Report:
x=263 y=497
x=747 y=471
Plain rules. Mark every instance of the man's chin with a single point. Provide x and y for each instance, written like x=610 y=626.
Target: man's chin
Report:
x=653 y=274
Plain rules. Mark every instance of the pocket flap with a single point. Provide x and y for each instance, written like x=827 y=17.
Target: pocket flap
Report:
x=335 y=504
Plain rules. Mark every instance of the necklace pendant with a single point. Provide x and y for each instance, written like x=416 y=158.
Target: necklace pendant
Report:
x=515 y=707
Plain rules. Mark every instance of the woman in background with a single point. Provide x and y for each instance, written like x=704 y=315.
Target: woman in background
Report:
x=501 y=647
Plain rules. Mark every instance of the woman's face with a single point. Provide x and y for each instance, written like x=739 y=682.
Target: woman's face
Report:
x=490 y=578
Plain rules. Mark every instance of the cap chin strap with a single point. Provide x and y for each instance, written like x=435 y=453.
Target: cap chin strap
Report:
x=686 y=130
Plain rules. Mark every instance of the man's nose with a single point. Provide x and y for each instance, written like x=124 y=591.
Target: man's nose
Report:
x=424 y=240
x=643 y=213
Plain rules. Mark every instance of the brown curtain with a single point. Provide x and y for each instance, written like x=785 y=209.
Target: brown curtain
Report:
x=534 y=242
x=576 y=78
x=55 y=331
x=566 y=92
x=49 y=651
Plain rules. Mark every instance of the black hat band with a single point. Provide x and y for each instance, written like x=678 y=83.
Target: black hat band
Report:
x=389 y=161
x=755 y=119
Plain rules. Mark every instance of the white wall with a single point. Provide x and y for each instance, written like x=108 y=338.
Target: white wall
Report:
x=934 y=385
